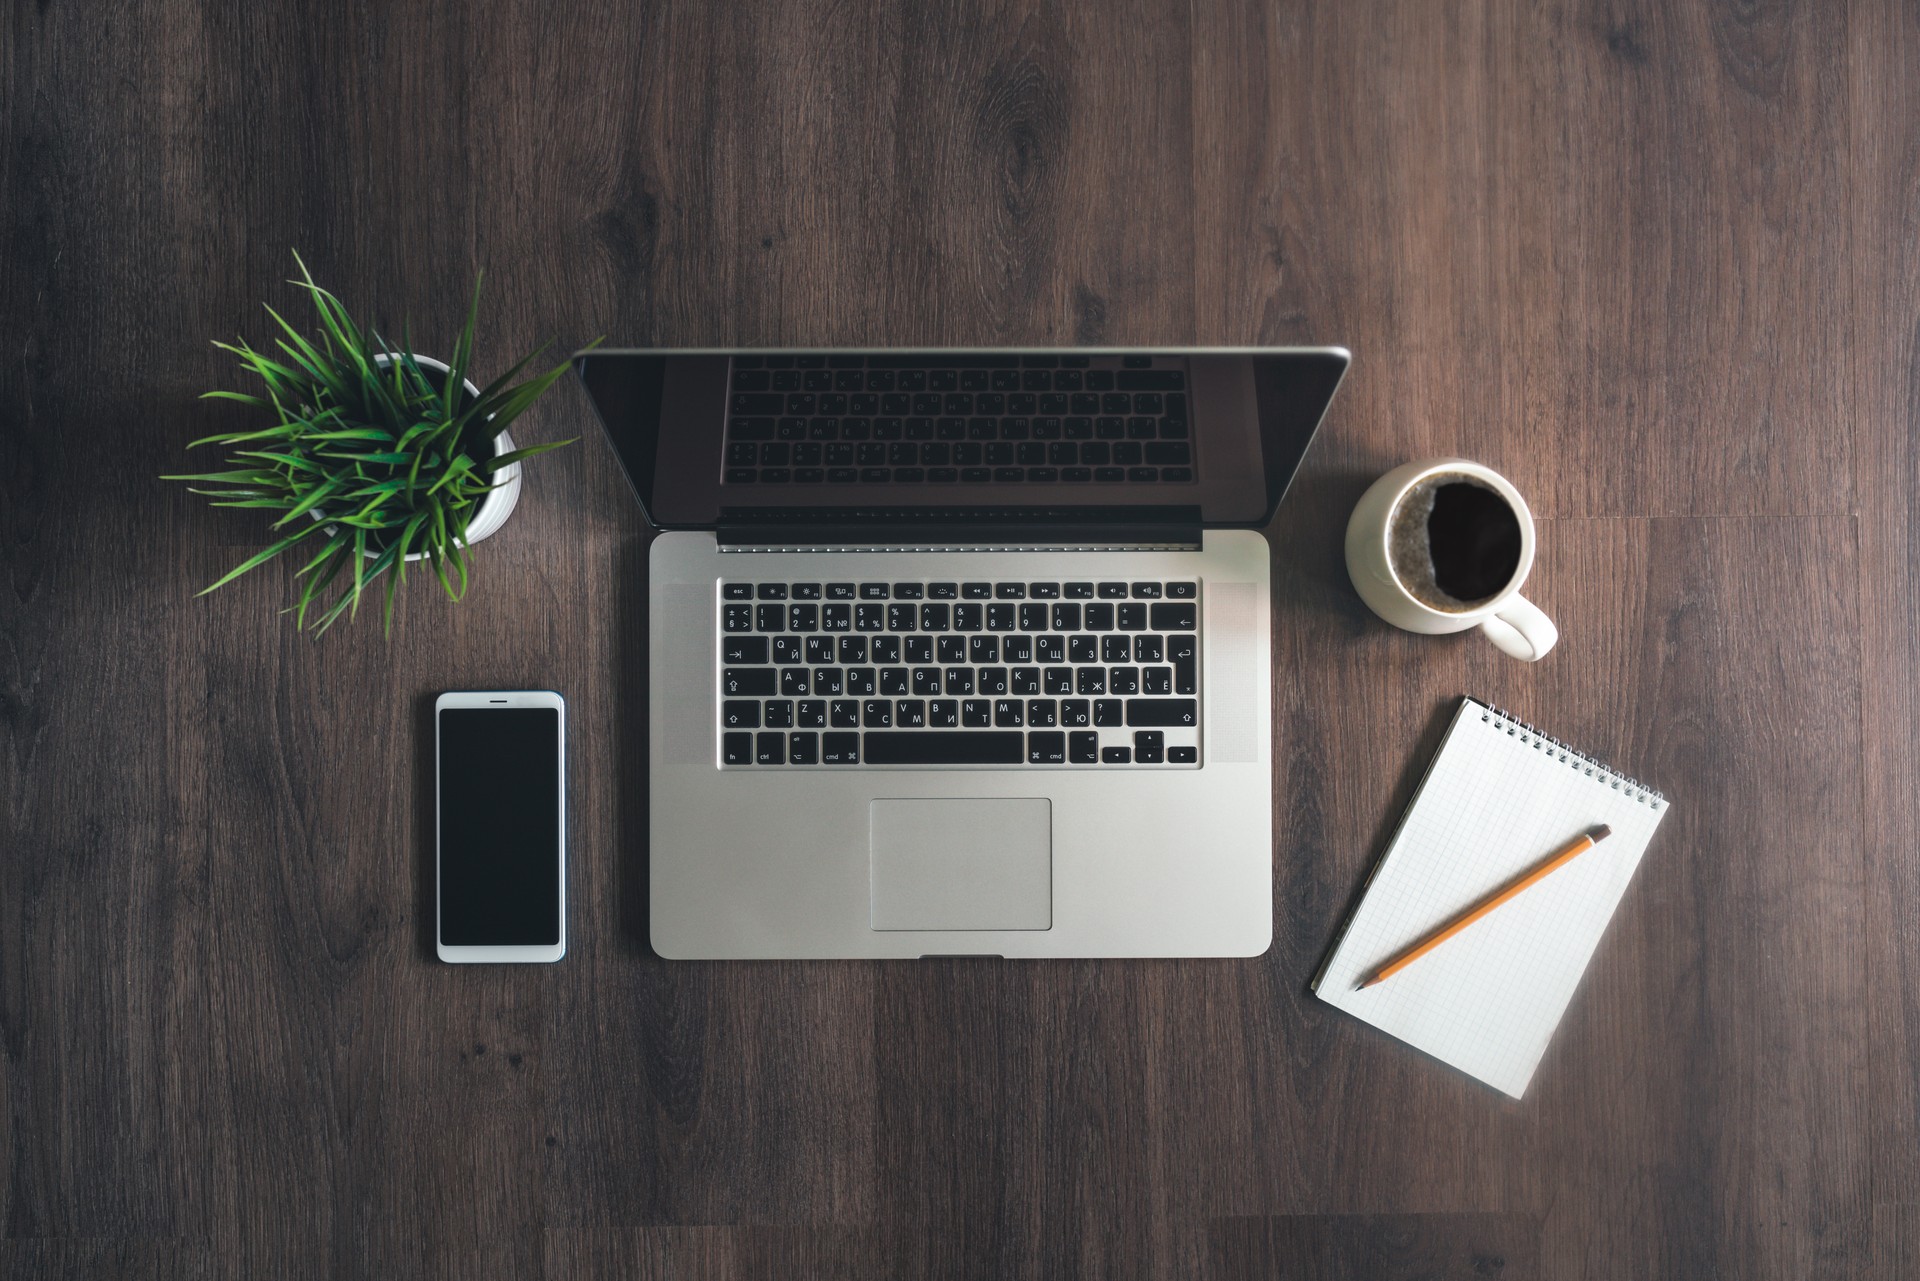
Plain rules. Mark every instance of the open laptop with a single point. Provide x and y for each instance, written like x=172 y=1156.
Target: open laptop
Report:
x=960 y=652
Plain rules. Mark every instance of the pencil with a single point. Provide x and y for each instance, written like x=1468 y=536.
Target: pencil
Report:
x=1553 y=862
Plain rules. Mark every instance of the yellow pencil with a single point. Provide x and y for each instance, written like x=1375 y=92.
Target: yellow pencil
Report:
x=1558 y=859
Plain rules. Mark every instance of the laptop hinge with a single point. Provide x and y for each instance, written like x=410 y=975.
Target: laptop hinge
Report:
x=1031 y=529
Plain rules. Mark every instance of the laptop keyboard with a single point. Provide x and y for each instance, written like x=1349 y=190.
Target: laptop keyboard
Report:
x=960 y=673
x=913 y=418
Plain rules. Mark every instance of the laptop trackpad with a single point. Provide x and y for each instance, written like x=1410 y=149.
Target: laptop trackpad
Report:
x=962 y=864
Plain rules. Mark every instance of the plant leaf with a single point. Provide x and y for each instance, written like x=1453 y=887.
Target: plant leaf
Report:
x=498 y=461
x=312 y=499
x=259 y=558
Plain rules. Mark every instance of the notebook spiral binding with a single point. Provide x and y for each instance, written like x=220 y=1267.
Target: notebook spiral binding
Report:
x=1632 y=789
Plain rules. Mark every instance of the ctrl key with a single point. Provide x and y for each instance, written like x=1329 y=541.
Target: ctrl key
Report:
x=772 y=748
x=736 y=749
x=839 y=749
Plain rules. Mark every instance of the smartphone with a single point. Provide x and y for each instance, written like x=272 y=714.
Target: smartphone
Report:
x=500 y=843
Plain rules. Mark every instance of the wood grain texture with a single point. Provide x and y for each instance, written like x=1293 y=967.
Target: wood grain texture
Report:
x=1431 y=1247
x=1885 y=46
x=1652 y=260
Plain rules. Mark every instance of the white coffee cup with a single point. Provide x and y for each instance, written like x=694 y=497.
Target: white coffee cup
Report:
x=1509 y=619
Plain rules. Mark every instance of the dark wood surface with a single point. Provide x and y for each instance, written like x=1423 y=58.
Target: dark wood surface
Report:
x=1654 y=261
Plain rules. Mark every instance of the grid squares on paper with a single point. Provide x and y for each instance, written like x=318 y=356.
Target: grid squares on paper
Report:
x=1498 y=799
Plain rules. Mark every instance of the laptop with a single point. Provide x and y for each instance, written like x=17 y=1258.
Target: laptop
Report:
x=960 y=652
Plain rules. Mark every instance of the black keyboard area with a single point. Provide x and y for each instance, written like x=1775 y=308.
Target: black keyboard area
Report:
x=1004 y=673
x=909 y=418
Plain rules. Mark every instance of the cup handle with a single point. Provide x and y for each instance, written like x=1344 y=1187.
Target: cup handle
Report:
x=1522 y=630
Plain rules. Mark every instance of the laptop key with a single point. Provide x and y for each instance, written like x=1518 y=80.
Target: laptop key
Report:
x=749 y=682
x=1083 y=748
x=1182 y=755
x=1075 y=711
x=976 y=713
x=737 y=591
x=839 y=749
x=813 y=713
x=877 y=713
x=1162 y=711
x=779 y=714
x=737 y=618
x=1048 y=747
x=1115 y=755
x=846 y=713
x=736 y=749
x=1175 y=616
x=1149 y=747
x=1181 y=650
x=771 y=749
x=743 y=649
x=1106 y=711
x=934 y=747
x=803 y=749
x=740 y=713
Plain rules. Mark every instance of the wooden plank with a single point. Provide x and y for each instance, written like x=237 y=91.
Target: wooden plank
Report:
x=1885 y=205
x=1323 y=1247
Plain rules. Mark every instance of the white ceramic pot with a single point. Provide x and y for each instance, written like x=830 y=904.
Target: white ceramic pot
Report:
x=496 y=506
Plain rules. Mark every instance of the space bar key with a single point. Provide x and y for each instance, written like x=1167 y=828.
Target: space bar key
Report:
x=931 y=747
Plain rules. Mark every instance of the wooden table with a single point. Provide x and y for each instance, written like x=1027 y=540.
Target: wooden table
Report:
x=1658 y=263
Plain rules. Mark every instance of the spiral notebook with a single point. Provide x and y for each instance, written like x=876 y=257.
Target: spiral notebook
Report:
x=1498 y=798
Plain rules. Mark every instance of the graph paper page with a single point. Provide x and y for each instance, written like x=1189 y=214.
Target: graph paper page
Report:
x=1497 y=800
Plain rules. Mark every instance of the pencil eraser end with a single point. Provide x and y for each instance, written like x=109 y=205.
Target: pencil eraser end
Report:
x=1600 y=833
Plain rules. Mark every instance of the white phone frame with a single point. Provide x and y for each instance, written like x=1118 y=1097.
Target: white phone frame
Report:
x=488 y=700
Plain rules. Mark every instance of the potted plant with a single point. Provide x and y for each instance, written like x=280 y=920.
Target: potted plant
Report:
x=382 y=456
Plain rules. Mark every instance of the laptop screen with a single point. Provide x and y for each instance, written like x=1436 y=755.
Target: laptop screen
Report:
x=705 y=435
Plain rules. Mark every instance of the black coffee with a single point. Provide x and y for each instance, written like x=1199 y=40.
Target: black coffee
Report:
x=1455 y=542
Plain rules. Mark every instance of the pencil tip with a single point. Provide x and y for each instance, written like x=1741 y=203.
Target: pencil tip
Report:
x=1365 y=983
x=1601 y=832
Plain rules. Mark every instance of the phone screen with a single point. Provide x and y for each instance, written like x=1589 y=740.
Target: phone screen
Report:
x=499 y=826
